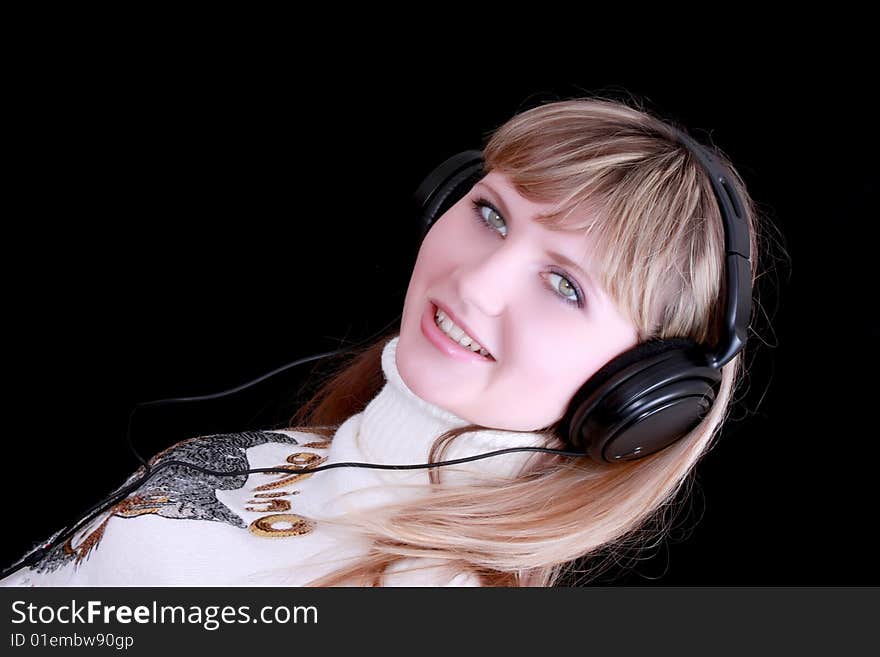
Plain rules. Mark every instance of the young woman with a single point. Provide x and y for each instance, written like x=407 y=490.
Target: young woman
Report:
x=588 y=245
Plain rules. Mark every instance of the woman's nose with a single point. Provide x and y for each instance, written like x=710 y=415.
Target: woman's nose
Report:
x=490 y=280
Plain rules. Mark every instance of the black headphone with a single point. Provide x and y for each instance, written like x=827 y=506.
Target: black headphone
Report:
x=641 y=401
x=653 y=394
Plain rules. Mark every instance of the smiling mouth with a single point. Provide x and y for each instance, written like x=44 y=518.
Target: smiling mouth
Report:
x=437 y=314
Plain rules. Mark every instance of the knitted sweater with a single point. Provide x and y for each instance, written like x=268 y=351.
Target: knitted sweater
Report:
x=183 y=527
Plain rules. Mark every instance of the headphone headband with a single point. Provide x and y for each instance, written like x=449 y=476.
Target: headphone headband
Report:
x=738 y=272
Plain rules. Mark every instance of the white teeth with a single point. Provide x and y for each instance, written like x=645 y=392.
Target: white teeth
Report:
x=457 y=333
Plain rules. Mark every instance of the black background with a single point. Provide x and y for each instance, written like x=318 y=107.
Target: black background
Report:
x=178 y=227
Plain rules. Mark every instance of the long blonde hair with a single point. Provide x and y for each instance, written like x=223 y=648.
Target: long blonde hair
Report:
x=660 y=244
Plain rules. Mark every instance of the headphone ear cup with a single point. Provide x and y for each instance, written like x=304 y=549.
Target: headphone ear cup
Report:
x=641 y=401
x=445 y=186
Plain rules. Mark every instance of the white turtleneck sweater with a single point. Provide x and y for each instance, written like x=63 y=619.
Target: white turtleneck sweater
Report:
x=183 y=527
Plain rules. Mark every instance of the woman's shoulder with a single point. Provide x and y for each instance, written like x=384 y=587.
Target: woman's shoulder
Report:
x=223 y=452
x=241 y=440
x=173 y=490
x=226 y=450
x=176 y=489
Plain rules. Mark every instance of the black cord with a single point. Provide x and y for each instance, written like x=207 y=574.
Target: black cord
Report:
x=149 y=470
x=232 y=391
x=176 y=400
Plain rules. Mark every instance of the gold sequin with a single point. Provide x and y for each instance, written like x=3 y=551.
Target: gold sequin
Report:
x=296 y=461
x=88 y=543
x=139 y=505
x=280 y=493
x=136 y=505
x=319 y=444
x=304 y=459
x=270 y=505
x=286 y=480
x=280 y=466
x=265 y=526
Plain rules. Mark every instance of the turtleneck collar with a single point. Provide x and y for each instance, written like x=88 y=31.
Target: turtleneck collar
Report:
x=398 y=427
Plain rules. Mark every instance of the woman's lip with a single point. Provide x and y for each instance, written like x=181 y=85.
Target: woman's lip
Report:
x=440 y=340
x=456 y=320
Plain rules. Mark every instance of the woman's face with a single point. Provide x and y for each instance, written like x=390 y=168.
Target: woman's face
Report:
x=492 y=268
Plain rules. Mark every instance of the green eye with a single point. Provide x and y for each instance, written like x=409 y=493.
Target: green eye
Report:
x=479 y=205
x=489 y=223
x=566 y=287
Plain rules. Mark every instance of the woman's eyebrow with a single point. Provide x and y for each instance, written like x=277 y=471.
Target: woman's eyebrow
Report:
x=559 y=257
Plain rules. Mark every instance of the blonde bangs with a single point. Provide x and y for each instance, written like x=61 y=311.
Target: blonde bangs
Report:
x=641 y=197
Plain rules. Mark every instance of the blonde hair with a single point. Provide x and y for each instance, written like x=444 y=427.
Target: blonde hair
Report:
x=659 y=241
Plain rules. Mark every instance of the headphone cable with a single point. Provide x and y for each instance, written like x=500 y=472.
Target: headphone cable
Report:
x=149 y=470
